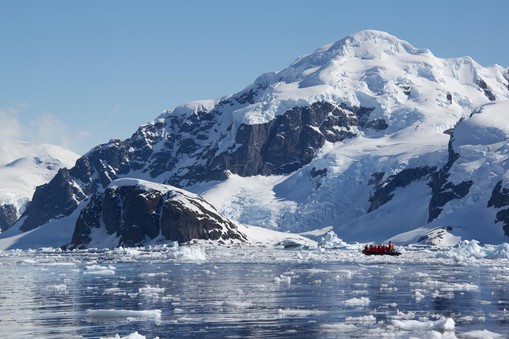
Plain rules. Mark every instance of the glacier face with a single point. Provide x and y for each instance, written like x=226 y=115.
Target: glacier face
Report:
x=359 y=135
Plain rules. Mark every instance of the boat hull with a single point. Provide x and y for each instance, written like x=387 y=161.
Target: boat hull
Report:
x=393 y=253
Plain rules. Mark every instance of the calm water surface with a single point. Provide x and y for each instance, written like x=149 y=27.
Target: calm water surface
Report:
x=246 y=293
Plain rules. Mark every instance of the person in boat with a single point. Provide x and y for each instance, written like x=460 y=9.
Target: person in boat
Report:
x=391 y=246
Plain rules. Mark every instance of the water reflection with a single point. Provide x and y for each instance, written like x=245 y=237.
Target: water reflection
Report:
x=51 y=296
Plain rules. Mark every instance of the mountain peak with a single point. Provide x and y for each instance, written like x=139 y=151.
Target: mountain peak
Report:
x=370 y=47
x=364 y=45
x=372 y=41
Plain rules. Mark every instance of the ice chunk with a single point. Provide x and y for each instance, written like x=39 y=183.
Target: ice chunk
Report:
x=331 y=240
x=282 y=279
x=339 y=327
x=367 y=319
x=191 y=253
x=499 y=252
x=134 y=335
x=60 y=288
x=418 y=296
x=112 y=314
x=466 y=250
x=100 y=270
x=446 y=324
x=363 y=301
x=299 y=312
x=151 y=291
x=485 y=334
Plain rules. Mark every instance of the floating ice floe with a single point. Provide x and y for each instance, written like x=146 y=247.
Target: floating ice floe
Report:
x=366 y=319
x=112 y=314
x=446 y=324
x=282 y=279
x=485 y=334
x=60 y=288
x=191 y=253
x=296 y=243
x=100 y=270
x=299 y=312
x=151 y=292
x=363 y=301
x=134 y=335
x=339 y=327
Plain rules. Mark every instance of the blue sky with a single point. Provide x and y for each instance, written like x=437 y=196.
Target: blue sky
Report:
x=78 y=73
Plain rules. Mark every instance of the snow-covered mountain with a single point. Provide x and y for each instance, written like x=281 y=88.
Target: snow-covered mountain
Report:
x=367 y=134
x=23 y=167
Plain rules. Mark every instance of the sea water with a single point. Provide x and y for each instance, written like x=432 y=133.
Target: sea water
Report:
x=251 y=292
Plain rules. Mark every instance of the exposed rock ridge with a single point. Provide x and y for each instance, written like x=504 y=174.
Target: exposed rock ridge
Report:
x=135 y=215
x=177 y=151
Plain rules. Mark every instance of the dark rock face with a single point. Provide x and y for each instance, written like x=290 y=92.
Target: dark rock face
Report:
x=134 y=215
x=499 y=199
x=58 y=197
x=443 y=191
x=8 y=216
x=290 y=141
x=487 y=91
x=384 y=191
x=183 y=149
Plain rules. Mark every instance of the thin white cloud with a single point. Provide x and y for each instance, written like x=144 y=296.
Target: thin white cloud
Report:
x=44 y=129
x=9 y=127
x=48 y=129
x=10 y=133
x=116 y=110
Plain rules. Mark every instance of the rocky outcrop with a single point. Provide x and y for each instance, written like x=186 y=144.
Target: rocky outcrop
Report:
x=442 y=190
x=384 y=191
x=56 y=198
x=500 y=199
x=8 y=216
x=136 y=214
x=440 y=236
x=486 y=90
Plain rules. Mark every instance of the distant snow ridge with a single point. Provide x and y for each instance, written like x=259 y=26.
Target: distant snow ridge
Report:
x=23 y=167
x=368 y=134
